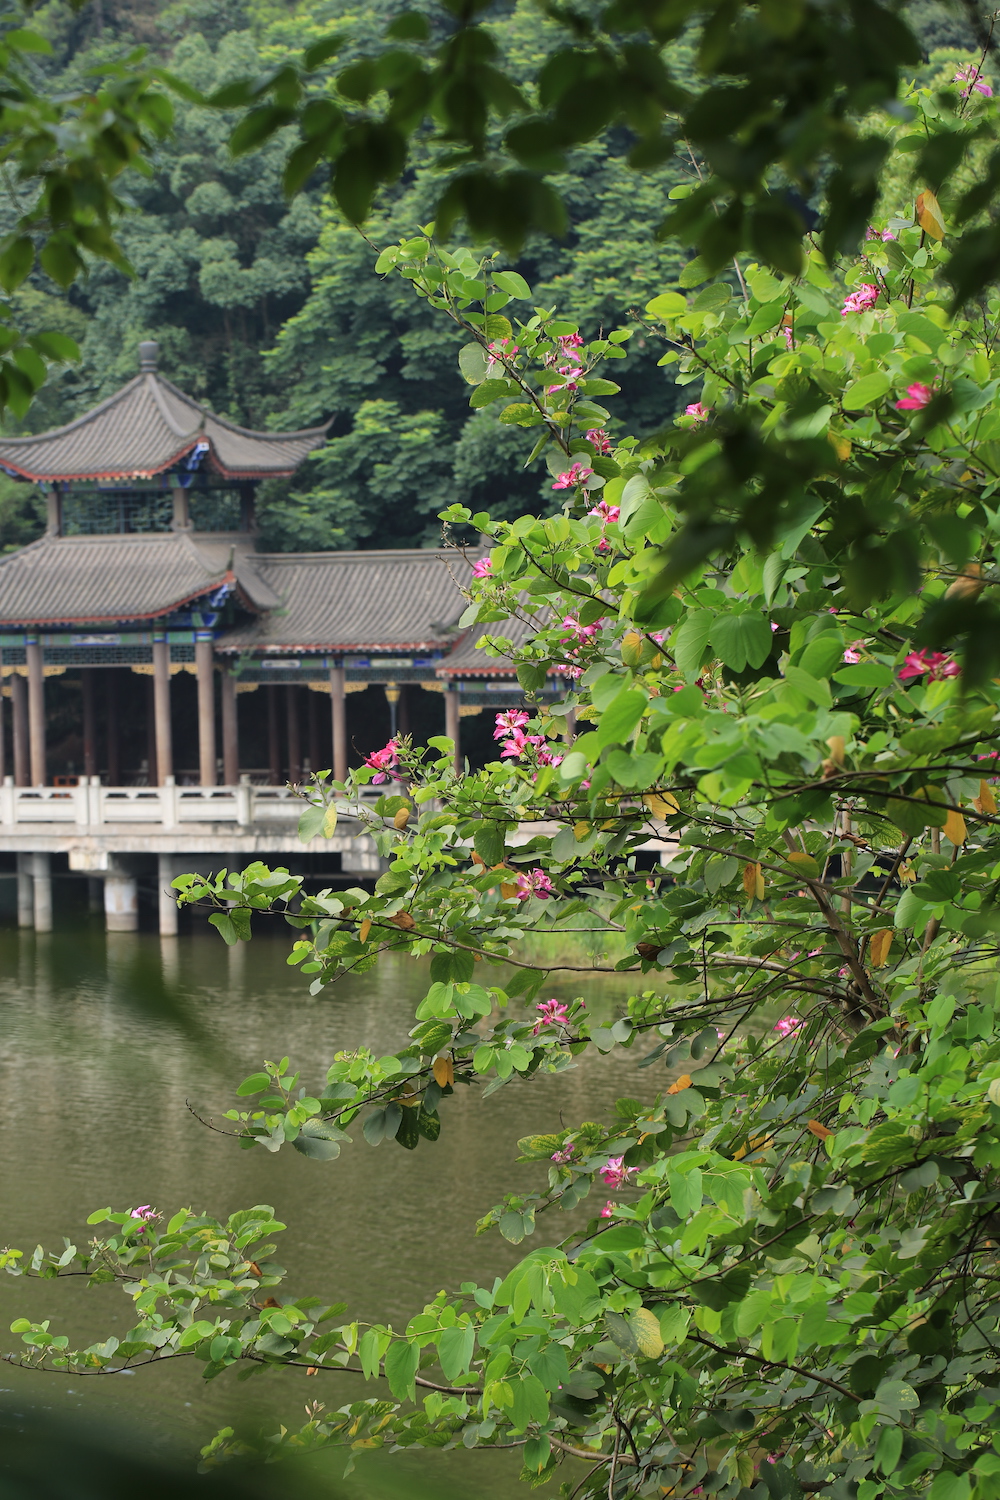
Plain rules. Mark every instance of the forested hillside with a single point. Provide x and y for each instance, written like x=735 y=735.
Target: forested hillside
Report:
x=271 y=312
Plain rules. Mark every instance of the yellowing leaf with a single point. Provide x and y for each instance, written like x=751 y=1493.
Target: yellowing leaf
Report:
x=631 y=648
x=683 y=1082
x=804 y=864
x=404 y=920
x=329 y=827
x=444 y=1071
x=821 y=1131
x=878 y=948
x=836 y=744
x=985 y=802
x=954 y=827
x=402 y=818
x=646 y=1328
x=751 y=874
x=929 y=215
x=364 y=930
x=507 y=889
x=580 y=831
x=968 y=584
x=840 y=445
x=662 y=804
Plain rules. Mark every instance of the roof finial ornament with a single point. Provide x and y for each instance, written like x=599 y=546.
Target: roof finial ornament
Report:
x=149 y=356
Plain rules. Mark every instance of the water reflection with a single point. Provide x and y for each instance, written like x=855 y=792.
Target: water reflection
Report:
x=106 y=1039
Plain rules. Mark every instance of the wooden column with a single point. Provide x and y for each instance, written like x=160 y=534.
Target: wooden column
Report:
x=312 y=731
x=273 y=737
x=151 y=777
x=181 y=517
x=204 y=657
x=338 y=713
x=36 y=712
x=161 y=709
x=19 y=705
x=403 y=711
x=230 y=730
x=451 y=723
x=294 y=737
x=89 y=722
x=114 y=758
x=166 y=899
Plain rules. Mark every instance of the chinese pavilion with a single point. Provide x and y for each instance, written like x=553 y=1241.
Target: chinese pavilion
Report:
x=149 y=562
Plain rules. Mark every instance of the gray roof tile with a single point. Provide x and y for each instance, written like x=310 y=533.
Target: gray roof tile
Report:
x=146 y=428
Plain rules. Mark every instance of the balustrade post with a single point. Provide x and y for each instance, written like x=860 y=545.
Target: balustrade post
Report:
x=8 y=804
x=244 y=802
x=452 y=720
x=167 y=897
x=168 y=803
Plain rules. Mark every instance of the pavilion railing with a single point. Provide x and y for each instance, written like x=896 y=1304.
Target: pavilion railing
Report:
x=91 y=805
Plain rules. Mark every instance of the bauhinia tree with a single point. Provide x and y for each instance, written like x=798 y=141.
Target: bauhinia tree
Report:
x=789 y=1283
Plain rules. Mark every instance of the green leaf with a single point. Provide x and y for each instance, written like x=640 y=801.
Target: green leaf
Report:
x=488 y=841
x=510 y=281
x=866 y=391
x=255 y=1084
x=690 y=641
x=740 y=639
x=473 y=361
x=258 y=126
x=401 y=1360
x=620 y=1332
x=621 y=717
x=320 y=52
x=455 y=1350
x=16 y=262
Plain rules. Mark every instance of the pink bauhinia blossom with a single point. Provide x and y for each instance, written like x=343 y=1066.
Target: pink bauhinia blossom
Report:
x=608 y=1209
x=568 y=382
x=383 y=761
x=616 y=1173
x=789 y=338
x=861 y=299
x=534 y=883
x=146 y=1213
x=483 y=568
x=698 y=411
x=852 y=653
x=500 y=350
x=514 y=718
x=917 y=396
x=933 y=664
x=600 y=439
x=787 y=1026
x=514 y=747
x=546 y=758
x=607 y=513
x=571 y=477
x=565 y=1154
x=550 y=1013
x=971 y=77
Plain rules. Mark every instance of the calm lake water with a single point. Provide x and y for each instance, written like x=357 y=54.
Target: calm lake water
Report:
x=103 y=1040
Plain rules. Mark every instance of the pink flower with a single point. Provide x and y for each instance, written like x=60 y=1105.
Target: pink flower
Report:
x=879 y=234
x=580 y=632
x=504 y=347
x=566 y=670
x=600 y=439
x=789 y=338
x=576 y=474
x=546 y=758
x=483 y=568
x=514 y=718
x=534 y=883
x=970 y=75
x=383 y=761
x=698 y=411
x=568 y=383
x=146 y=1214
x=607 y=513
x=861 y=299
x=852 y=653
x=917 y=395
x=616 y=1173
x=936 y=664
x=608 y=1209
x=566 y=1154
x=515 y=747
x=550 y=1013
x=787 y=1026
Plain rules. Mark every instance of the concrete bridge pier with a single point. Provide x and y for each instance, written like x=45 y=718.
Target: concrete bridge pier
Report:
x=167 y=903
x=25 y=891
x=121 y=899
x=42 y=872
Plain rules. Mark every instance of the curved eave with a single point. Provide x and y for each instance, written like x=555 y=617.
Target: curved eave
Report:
x=337 y=648
x=36 y=476
x=91 y=619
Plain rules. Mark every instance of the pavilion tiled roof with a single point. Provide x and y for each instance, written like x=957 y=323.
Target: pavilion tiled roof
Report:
x=356 y=601
x=95 y=579
x=150 y=426
x=469 y=659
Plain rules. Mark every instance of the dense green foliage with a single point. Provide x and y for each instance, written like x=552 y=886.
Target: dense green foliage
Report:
x=792 y=1287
